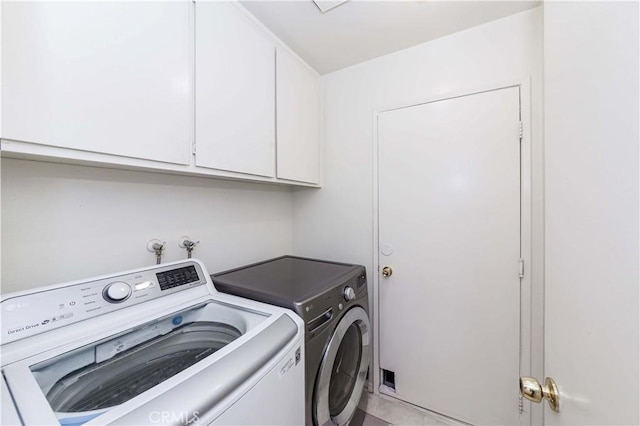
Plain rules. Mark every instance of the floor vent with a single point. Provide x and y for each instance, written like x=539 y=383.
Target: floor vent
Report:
x=389 y=379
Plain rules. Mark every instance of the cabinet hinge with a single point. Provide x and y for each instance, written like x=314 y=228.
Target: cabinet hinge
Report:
x=193 y=148
x=521 y=268
x=521 y=130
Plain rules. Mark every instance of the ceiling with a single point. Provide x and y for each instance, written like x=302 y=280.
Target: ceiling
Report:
x=358 y=30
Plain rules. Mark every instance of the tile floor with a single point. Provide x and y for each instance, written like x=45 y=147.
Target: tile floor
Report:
x=383 y=410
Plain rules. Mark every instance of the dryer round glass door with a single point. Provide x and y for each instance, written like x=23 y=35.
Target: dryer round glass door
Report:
x=343 y=369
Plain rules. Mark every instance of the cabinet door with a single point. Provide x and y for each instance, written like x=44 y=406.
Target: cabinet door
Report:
x=106 y=77
x=235 y=92
x=298 y=120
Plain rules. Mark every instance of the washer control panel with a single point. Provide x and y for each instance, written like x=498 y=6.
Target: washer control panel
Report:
x=43 y=310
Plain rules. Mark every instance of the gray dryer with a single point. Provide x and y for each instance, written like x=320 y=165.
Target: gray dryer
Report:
x=332 y=299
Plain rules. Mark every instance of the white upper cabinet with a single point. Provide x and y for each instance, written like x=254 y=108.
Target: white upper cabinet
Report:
x=235 y=92
x=102 y=77
x=171 y=86
x=298 y=120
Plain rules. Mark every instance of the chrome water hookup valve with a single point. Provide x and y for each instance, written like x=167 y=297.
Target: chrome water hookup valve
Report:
x=156 y=246
x=188 y=244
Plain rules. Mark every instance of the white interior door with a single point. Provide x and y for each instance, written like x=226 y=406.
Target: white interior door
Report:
x=449 y=226
x=591 y=211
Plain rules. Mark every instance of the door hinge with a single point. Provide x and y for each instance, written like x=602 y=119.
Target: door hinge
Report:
x=521 y=268
x=193 y=148
x=521 y=130
x=520 y=404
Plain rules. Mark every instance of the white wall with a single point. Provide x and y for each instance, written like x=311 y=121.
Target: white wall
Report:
x=63 y=222
x=591 y=142
x=337 y=221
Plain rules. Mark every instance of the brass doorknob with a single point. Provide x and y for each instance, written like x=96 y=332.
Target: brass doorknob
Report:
x=531 y=389
x=387 y=271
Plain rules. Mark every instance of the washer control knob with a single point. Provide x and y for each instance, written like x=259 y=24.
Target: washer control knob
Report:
x=117 y=292
x=349 y=293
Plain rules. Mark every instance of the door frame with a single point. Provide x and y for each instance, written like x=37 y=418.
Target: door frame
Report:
x=531 y=290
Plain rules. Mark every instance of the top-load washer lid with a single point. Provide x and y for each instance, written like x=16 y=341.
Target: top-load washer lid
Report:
x=115 y=372
x=84 y=382
x=104 y=384
x=285 y=281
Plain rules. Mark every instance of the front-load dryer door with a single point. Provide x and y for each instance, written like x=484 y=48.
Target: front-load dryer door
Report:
x=343 y=370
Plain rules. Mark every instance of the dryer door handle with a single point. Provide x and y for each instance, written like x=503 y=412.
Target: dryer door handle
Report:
x=320 y=320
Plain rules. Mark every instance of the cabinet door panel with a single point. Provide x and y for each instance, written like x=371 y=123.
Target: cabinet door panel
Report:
x=298 y=118
x=235 y=92
x=106 y=77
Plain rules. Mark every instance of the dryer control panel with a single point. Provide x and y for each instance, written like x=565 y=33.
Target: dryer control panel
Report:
x=329 y=305
x=41 y=310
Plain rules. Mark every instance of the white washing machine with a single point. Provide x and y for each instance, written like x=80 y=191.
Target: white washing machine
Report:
x=157 y=345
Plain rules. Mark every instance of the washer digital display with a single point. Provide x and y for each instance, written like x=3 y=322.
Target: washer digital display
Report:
x=177 y=277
